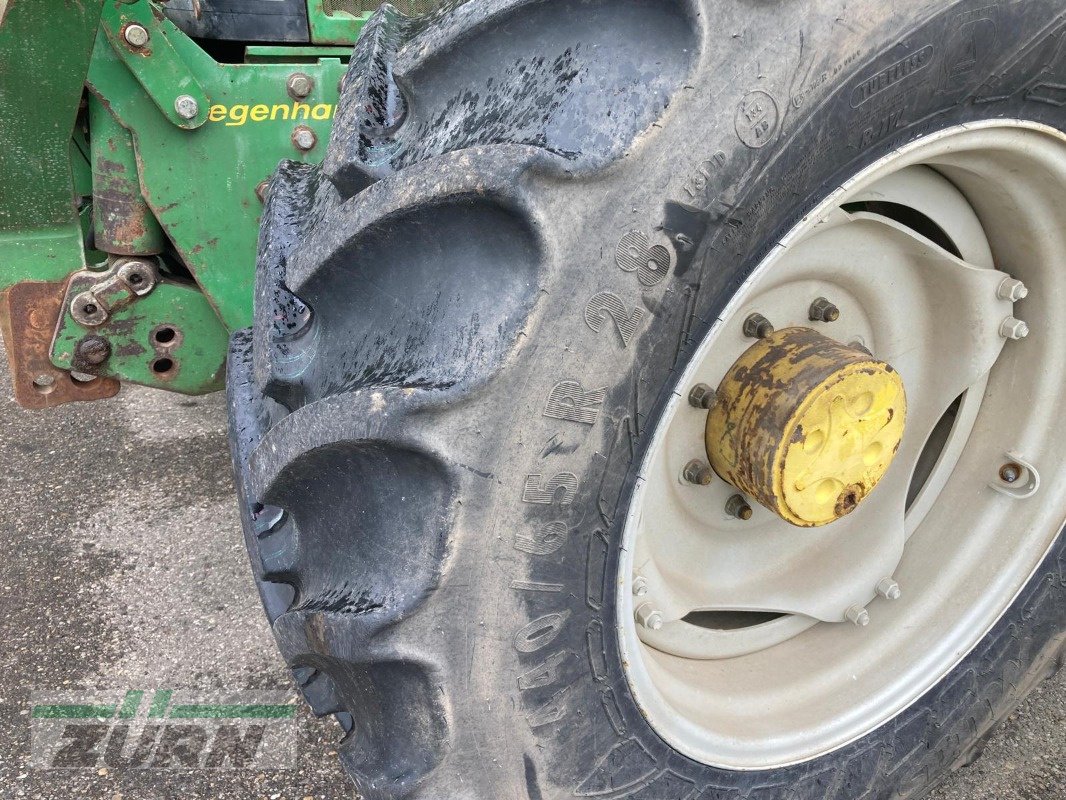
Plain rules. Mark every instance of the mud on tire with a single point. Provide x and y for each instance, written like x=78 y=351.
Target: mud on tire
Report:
x=529 y=216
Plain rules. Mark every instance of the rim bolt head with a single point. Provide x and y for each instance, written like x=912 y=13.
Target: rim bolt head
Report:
x=1010 y=472
x=640 y=586
x=888 y=589
x=1012 y=328
x=135 y=35
x=737 y=506
x=299 y=85
x=1011 y=289
x=186 y=106
x=701 y=396
x=647 y=616
x=698 y=472
x=304 y=138
x=857 y=615
x=756 y=326
x=822 y=310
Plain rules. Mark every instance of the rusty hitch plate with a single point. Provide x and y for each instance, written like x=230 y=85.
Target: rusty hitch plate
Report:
x=29 y=312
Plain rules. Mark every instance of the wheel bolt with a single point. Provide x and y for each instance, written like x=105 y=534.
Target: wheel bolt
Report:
x=648 y=617
x=701 y=396
x=1011 y=289
x=1012 y=328
x=888 y=589
x=822 y=310
x=698 y=472
x=640 y=586
x=857 y=615
x=737 y=506
x=756 y=326
x=1010 y=472
x=135 y=35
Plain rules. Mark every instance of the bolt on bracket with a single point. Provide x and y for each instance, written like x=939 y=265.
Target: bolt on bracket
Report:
x=155 y=64
x=117 y=288
x=1024 y=485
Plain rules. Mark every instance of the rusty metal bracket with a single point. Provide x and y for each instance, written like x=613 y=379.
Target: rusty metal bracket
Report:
x=29 y=313
x=125 y=282
x=137 y=32
x=142 y=325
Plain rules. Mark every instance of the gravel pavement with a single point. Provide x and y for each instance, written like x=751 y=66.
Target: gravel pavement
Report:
x=125 y=569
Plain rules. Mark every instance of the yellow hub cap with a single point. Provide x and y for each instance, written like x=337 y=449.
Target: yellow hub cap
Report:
x=805 y=425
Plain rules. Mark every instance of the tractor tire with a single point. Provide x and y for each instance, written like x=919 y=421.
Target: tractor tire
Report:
x=529 y=216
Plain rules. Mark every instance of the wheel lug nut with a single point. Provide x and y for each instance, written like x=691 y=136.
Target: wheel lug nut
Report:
x=1011 y=289
x=648 y=617
x=888 y=589
x=756 y=326
x=701 y=396
x=737 y=506
x=1010 y=472
x=1012 y=328
x=822 y=310
x=857 y=615
x=640 y=586
x=698 y=472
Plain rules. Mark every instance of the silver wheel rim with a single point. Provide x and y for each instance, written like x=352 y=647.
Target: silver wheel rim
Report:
x=745 y=691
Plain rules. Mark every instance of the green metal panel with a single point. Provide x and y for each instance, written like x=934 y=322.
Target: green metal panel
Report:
x=281 y=54
x=160 y=183
x=44 y=54
x=201 y=184
x=337 y=21
x=192 y=362
x=123 y=223
x=156 y=64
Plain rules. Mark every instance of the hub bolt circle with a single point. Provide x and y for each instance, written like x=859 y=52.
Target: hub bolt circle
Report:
x=737 y=506
x=698 y=472
x=756 y=326
x=822 y=310
x=701 y=396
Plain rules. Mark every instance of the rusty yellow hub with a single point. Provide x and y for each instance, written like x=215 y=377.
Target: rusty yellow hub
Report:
x=805 y=425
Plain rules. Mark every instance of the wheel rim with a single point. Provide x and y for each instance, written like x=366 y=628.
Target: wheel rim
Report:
x=774 y=673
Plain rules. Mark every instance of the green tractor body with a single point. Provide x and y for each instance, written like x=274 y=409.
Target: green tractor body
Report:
x=125 y=139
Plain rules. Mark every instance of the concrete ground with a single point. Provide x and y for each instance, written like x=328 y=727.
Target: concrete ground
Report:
x=125 y=569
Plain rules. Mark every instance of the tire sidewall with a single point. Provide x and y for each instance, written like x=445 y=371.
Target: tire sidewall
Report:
x=909 y=74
